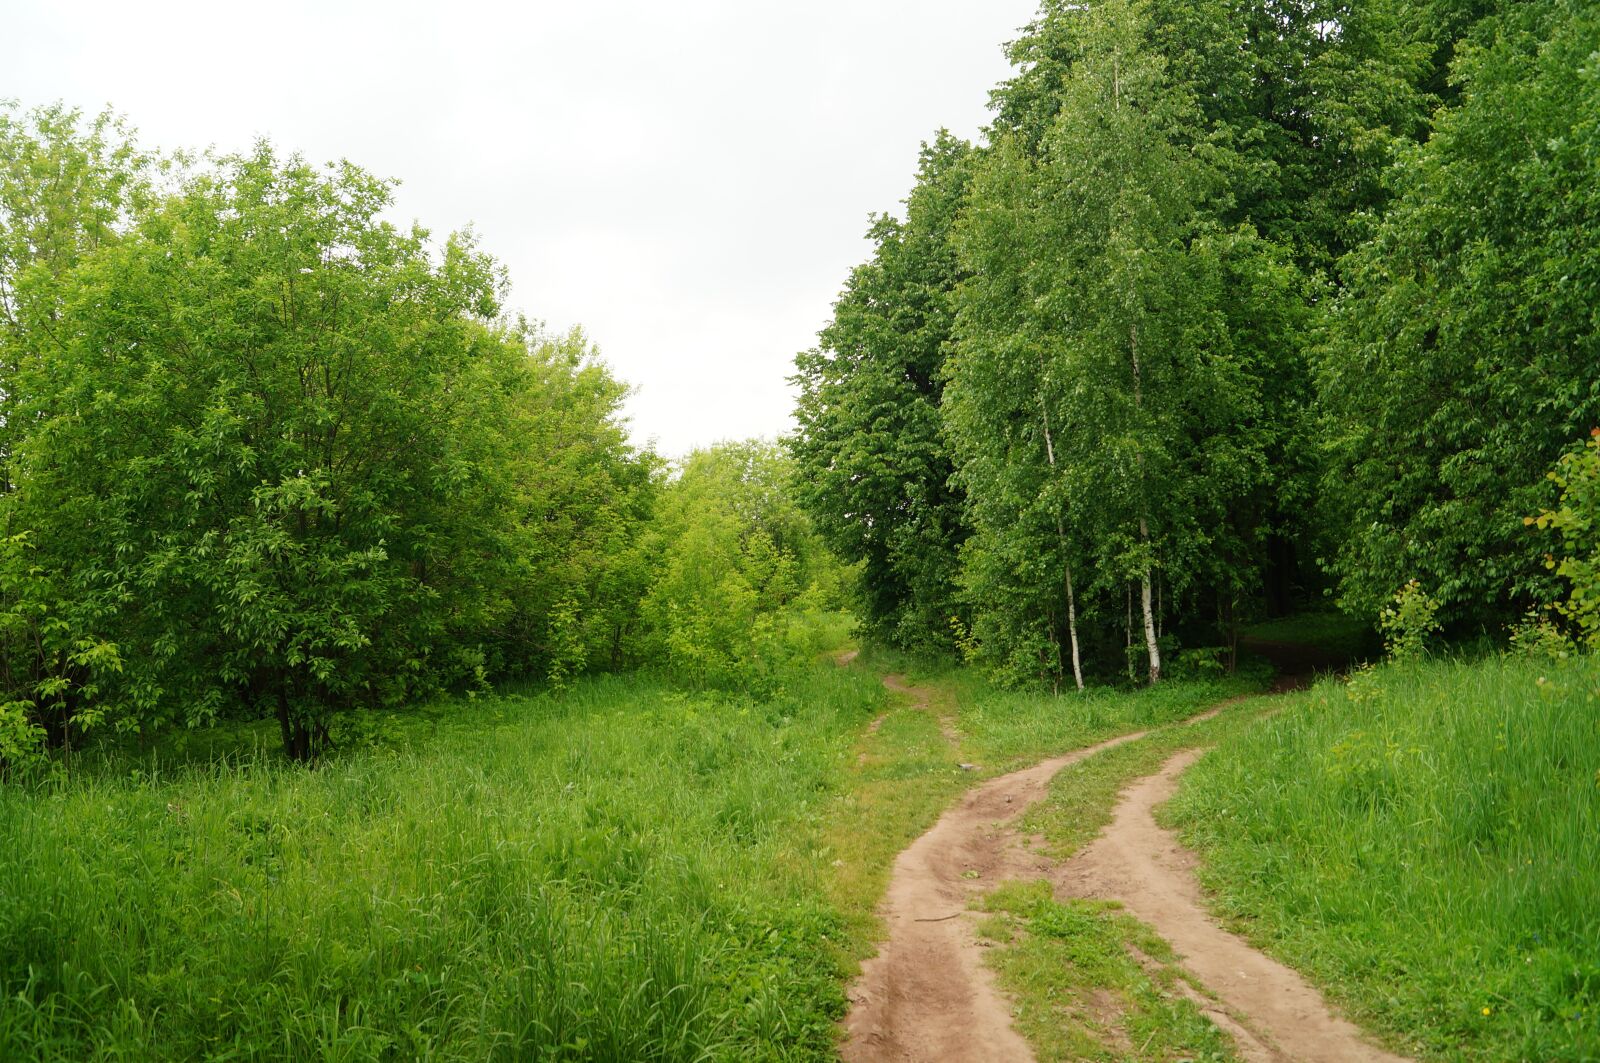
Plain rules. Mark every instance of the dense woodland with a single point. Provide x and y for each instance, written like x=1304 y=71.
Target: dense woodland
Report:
x=1238 y=306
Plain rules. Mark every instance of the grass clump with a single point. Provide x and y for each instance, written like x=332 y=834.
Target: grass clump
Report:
x=1424 y=841
x=623 y=872
x=1093 y=983
x=1082 y=796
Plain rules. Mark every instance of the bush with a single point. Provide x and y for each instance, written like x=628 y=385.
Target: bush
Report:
x=1409 y=622
x=1577 y=521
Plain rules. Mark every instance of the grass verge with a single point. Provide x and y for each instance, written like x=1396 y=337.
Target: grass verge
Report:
x=1423 y=842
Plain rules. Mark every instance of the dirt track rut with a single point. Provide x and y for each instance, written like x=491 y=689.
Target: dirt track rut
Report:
x=927 y=995
x=1140 y=863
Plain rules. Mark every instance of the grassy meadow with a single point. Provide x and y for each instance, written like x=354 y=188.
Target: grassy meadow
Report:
x=1424 y=842
x=620 y=871
x=625 y=870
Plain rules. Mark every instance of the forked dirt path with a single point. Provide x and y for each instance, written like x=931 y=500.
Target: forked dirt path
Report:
x=927 y=995
x=1141 y=864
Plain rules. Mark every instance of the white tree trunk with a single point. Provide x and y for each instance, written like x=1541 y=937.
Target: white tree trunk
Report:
x=1072 y=629
x=1061 y=535
x=1149 y=614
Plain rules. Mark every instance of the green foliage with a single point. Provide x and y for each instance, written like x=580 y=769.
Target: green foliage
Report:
x=1178 y=201
x=1539 y=635
x=1577 y=521
x=1107 y=398
x=584 y=501
x=873 y=467
x=1423 y=842
x=1312 y=97
x=260 y=431
x=1459 y=361
x=1409 y=621
x=742 y=585
x=283 y=459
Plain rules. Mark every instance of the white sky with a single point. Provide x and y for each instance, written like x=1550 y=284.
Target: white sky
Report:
x=690 y=182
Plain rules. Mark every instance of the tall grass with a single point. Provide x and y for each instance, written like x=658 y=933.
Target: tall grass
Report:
x=619 y=873
x=1425 y=839
x=1012 y=728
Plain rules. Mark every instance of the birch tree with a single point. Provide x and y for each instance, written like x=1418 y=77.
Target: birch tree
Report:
x=1098 y=331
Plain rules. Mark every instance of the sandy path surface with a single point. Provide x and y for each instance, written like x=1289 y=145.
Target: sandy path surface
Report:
x=1140 y=863
x=927 y=994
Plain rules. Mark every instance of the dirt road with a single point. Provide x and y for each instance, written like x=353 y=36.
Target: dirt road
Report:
x=927 y=995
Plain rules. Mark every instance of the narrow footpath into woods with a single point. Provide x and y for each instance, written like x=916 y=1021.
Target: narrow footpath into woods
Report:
x=928 y=996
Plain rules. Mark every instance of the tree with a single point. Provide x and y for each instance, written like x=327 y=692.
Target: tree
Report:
x=584 y=500
x=873 y=466
x=1106 y=395
x=1311 y=96
x=1461 y=357
x=269 y=471
x=737 y=565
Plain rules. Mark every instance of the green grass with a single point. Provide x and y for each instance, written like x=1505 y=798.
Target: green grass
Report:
x=1092 y=983
x=1008 y=729
x=622 y=872
x=1425 y=843
x=1082 y=795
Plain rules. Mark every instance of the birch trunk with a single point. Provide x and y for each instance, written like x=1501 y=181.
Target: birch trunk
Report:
x=1066 y=567
x=1144 y=523
x=1149 y=613
x=1072 y=629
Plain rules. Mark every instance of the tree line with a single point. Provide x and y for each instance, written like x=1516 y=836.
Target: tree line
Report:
x=265 y=454
x=1236 y=303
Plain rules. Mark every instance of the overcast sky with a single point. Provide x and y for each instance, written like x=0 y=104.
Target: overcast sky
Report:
x=689 y=181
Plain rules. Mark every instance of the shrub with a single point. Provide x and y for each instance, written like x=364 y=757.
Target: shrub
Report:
x=1577 y=521
x=1409 y=622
